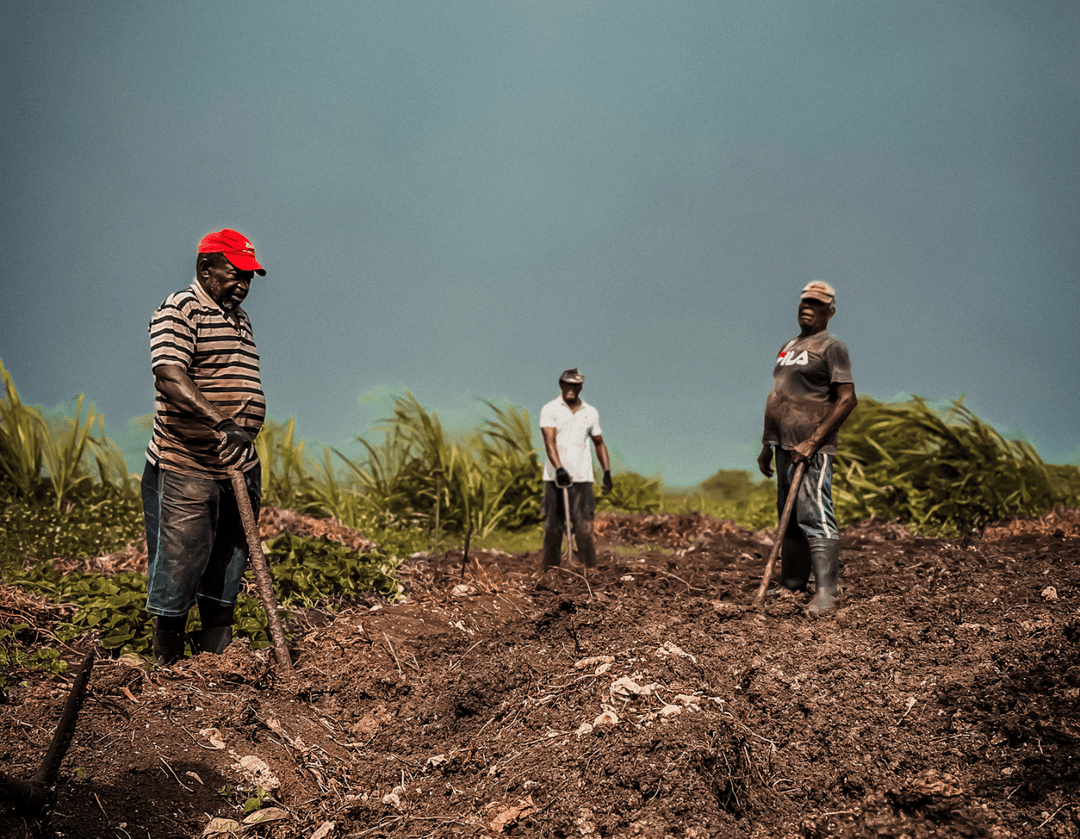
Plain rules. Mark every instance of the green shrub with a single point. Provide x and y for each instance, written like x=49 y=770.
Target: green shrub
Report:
x=61 y=454
x=730 y=494
x=939 y=472
x=630 y=493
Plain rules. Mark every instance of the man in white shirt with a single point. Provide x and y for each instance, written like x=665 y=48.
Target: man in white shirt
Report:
x=567 y=424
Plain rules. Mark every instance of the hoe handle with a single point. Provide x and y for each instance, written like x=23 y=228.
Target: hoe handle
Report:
x=569 y=532
x=263 y=583
x=789 y=504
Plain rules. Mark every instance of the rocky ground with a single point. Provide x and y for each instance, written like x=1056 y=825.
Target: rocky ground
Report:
x=647 y=698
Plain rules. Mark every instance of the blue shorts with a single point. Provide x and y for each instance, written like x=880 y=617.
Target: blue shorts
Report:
x=813 y=515
x=195 y=539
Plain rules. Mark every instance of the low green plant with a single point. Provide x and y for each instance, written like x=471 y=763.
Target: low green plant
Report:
x=306 y=571
x=309 y=571
x=99 y=519
x=249 y=798
x=15 y=655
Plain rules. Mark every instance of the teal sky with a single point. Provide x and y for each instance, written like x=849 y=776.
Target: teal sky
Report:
x=464 y=198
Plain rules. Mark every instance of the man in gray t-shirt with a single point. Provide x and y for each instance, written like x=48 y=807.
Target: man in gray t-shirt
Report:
x=813 y=393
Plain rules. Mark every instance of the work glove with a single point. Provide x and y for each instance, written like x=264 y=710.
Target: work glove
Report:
x=562 y=478
x=607 y=482
x=234 y=445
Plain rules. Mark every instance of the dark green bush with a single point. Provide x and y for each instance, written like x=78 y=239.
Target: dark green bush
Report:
x=939 y=471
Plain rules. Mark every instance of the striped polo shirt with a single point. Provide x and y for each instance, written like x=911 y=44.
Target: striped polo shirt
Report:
x=191 y=331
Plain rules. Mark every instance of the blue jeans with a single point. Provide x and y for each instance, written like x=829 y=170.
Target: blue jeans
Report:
x=195 y=539
x=813 y=515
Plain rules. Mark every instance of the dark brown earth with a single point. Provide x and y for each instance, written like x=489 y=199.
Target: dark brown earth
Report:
x=646 y=699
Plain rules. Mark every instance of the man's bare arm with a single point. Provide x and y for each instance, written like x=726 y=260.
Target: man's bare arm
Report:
x=602 y=452
x=181 y=392
x=845 y=404
x=550 y=448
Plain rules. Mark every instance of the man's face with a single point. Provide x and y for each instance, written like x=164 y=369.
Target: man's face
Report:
x=226 y=284
x=814 y=315
x=570 y=392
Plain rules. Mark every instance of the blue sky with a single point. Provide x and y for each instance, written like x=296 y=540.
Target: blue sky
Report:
x=464 y=198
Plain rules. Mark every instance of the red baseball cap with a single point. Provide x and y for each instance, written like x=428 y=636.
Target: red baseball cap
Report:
x=235 y=247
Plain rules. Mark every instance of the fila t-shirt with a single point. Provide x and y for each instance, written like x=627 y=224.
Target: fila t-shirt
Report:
x=804 y=389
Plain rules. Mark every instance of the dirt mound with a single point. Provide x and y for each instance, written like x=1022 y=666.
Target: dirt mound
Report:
x=273 y=521
x=646 y=698
x=1058 y=523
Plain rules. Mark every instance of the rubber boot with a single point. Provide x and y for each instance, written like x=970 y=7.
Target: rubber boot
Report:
x=552 y=549
x=216 y=633
x=211 y=639
x=825 y=555
x=169 y=639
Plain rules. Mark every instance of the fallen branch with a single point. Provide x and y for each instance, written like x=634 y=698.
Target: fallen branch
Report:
x=35 y=798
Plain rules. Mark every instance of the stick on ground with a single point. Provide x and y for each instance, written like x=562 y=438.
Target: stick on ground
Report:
x=569 y=531
x=35 y=797
x=789 y=504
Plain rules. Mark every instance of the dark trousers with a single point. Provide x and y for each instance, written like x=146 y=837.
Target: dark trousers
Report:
x=582 y=511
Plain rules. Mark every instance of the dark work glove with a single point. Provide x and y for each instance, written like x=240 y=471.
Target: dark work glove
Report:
x=562 y=478
x=607 y=481
x=234 y=445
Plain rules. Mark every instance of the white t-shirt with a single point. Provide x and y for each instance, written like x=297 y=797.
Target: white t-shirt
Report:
x=572 y=434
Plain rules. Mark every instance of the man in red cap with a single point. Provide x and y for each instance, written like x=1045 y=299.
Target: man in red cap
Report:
x=208 y=409
x=813 y=393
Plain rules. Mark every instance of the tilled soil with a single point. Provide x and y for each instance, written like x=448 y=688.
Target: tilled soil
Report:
x=645 y=698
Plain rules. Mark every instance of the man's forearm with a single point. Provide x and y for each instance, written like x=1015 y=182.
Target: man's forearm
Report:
x=603 y=456
x=845 y=404
x=180 y=392
x=550 y=449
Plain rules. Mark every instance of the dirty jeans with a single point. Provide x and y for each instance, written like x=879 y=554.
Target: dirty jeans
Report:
x=813 y=515
x=194 y=538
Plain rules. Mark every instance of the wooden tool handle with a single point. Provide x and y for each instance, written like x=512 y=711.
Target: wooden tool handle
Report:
x=263 y=583
x=789 y=504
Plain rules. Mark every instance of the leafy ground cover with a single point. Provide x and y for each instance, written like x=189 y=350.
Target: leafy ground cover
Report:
x=646 y=699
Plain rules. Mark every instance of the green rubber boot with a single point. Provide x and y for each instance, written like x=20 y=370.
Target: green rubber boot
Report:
x=825 y=555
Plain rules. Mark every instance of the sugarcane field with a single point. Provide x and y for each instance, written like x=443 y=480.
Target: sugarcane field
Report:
x=437 y=683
